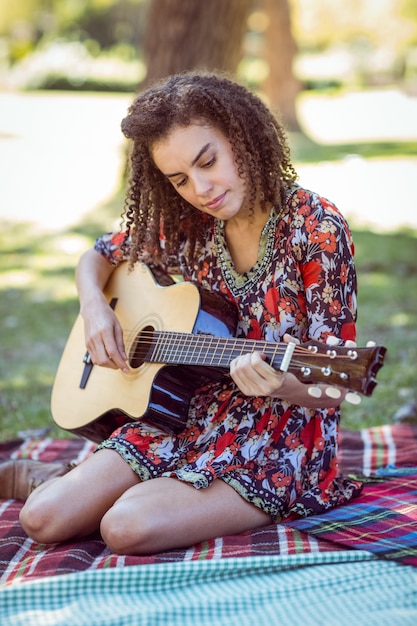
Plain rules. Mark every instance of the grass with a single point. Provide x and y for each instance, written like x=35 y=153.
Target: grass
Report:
x=311 y=152
x=387 y=275
x=38 y=306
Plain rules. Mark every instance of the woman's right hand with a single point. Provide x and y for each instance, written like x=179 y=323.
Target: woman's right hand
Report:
x=104 y=336
x=102 y=330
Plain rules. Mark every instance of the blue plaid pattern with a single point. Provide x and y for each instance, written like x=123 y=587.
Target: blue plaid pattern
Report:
x=382 y=520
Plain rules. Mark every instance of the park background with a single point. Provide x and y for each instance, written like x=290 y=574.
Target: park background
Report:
x=342 y=75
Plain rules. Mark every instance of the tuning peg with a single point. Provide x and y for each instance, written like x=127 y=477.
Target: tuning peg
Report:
x=352 y=398
x=333 y=392
x=314 y=392
x=332 y=341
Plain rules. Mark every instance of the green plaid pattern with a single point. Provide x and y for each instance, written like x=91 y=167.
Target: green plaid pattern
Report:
x=341 y=588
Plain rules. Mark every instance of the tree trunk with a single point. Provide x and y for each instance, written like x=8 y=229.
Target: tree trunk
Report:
x=281 y=87
x=194 y=34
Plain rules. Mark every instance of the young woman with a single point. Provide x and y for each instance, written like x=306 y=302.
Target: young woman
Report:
x=212 y=188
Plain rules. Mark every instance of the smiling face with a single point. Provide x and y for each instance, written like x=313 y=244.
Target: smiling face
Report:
x=199 y=162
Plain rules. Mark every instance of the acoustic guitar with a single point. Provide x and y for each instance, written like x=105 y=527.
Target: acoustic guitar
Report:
x=177 y=337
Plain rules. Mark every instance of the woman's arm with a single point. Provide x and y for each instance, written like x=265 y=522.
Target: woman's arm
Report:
x=103 y=333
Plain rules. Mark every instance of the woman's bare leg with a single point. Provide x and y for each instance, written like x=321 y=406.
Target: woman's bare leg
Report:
x=134 y=517
x=166 y=513
x=73 y=505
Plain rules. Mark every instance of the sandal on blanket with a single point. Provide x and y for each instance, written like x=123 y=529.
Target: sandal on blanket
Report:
x=19 y=477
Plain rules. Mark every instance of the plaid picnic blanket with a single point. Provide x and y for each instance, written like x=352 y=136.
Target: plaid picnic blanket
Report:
x=22 y=559
x=382 y=520
x=366 y=451
x=342 y=588
x=363 y=452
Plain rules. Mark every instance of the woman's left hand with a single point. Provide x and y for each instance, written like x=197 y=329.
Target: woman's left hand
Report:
x=255 y=377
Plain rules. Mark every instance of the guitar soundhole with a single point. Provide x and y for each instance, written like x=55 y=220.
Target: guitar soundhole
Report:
x=141 y=347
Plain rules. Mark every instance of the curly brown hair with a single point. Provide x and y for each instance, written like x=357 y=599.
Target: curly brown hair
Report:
x=258 y=143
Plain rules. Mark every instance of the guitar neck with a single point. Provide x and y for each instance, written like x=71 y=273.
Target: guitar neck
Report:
x=205 y=350
x=311 y=362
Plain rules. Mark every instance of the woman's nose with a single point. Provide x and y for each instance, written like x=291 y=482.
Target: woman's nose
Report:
x=202 y=185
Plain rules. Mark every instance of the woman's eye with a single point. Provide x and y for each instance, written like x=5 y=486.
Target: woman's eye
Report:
x=210 y=162
x=180 y=183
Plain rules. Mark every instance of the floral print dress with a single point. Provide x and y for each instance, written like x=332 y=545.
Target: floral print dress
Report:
x=280 y=457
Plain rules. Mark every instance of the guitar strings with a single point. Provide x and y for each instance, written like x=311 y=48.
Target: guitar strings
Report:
x=174 y=346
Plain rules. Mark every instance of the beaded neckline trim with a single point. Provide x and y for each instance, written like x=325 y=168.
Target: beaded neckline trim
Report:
x=241 y=284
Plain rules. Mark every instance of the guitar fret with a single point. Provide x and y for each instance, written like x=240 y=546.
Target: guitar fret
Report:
x=205 y=342
x=158 y=352
x=187 y=354
x=219 y=353
x=192 y=351
x=229 y=352
x=212 y=350
x=175 y=346
x=178 y=349
x=202 y=340
x=275 y=353
x=241 y=347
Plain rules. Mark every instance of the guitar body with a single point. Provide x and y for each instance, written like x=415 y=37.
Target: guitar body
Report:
x=84 y=396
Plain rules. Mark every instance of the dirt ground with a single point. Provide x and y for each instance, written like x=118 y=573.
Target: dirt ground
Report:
x=61 y=156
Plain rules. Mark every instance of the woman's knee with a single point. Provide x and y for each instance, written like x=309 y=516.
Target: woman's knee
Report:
x=124 y=533
x=38 y=518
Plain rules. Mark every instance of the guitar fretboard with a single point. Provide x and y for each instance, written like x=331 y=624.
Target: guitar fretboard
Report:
x=206 y=350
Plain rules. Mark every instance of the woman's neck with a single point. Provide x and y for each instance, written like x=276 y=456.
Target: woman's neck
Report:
x=242 y=237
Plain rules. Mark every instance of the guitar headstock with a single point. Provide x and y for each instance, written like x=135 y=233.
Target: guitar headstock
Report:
x=354 y=369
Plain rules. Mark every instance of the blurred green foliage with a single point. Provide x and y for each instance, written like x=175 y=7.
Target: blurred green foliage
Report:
x=366 y=43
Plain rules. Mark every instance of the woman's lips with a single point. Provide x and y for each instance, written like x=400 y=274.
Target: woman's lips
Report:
x=216 y=202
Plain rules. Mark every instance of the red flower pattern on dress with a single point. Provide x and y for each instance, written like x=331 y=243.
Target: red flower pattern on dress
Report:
x=343 y=273
x=311 y=224
x=292 y=441
x=203 y=272
x=271 y=301
x=258 y=403
x=287 y=305
x=225 y=395
x=327 y=241
x=335 y=307
x=225 y=441
x=311 y=273
x=223 y=288
x=281 y=480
